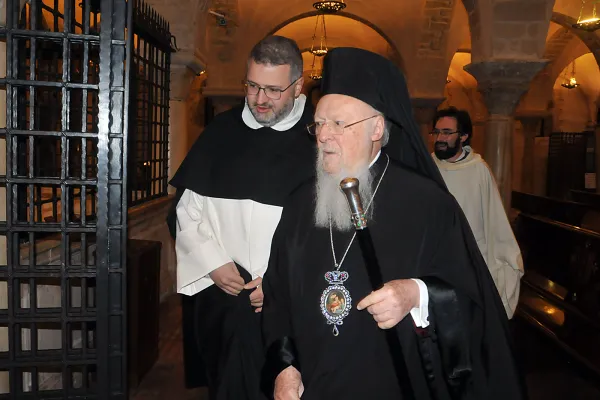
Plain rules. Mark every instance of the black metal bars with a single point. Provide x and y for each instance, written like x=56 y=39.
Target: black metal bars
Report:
x=66 y=146
x=149 y=111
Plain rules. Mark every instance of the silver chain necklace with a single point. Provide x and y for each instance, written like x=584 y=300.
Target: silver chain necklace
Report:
x=335 y=300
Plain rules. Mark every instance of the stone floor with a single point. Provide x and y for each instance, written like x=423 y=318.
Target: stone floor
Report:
x=549 y=375
x=165 y=379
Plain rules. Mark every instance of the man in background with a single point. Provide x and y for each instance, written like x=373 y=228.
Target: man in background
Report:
x=470 y=181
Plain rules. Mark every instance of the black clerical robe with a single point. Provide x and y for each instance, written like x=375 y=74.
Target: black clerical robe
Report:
x=257 y=168
x=417 y=229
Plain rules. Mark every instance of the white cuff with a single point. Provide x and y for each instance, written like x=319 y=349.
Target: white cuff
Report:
x=196 y=264
x=421 y=314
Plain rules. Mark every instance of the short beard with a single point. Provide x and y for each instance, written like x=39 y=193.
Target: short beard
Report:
x=331 y=204
x=447 y=152
x=273 y=118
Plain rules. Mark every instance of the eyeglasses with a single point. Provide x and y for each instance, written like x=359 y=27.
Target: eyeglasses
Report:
x=337 y=127
x=443 y=132
x=254 y=89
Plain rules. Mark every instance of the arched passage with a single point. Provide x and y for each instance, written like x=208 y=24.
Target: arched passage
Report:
x=343 y=29
x=575 y=109
x=564 y=45
x=590 y=39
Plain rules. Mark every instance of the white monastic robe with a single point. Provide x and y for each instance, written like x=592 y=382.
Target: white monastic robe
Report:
x=470 y=181
x=213 y=231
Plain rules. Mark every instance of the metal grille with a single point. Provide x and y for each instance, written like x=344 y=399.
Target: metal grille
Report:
x=149 y=112
x=47 y=116
x=566 y=163
x=62 y=334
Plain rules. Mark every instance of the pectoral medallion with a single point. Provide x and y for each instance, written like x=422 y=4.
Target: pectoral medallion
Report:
x=335 y=300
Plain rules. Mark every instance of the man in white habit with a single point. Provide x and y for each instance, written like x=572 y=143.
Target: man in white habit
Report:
x=470 y=181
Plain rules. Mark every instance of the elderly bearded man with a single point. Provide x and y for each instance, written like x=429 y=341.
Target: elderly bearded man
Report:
x=455 y=341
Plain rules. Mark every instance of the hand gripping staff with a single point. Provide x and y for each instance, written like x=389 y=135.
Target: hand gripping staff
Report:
x=350 y=188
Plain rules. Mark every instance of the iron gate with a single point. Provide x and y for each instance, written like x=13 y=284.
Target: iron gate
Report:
x=149 y=106
x=62 y=334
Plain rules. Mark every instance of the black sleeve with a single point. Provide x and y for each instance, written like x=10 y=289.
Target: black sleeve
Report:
x=276 y=316
x=448 y=281
x=468 y=319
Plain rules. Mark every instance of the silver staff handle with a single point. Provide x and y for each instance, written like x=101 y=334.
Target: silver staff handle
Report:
x=350 y=188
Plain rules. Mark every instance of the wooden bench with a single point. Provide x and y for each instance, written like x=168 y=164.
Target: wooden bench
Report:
x=570 y=212
x=560 y=291
x=588 y=198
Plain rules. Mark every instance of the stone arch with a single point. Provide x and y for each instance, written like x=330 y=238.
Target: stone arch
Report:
x=394 y=55
x=557 y=43
x=575 y=110
x=590 y=39
x=540 y=94
x=479 y=29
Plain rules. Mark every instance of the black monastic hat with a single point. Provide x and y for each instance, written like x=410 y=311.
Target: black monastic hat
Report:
x=376 y=81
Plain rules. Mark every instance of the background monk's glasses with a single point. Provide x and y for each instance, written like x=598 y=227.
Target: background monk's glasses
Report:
x=444 y=132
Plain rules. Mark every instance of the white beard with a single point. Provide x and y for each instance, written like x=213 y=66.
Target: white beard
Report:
x=331 y=203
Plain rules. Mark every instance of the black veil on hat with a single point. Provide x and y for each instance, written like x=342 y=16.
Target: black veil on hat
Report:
x=375 y=80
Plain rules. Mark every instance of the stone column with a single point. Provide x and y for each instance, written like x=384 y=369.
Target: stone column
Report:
x=531 y=125
x=502 y=84
x=424 y=111
x=478 y=138
x=478 y=116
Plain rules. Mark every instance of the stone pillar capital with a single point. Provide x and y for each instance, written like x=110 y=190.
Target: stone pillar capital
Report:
x=425 y=108
x=502 y=83
x=193 y=60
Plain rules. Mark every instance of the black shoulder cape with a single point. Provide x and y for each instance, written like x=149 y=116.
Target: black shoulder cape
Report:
x=232 y=161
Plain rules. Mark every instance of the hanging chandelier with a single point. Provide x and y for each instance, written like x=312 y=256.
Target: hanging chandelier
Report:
x=316 y=69
x=588 y=23
x=318 y=51
x=329 y=6
x=570 y=83
x=321 y=49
